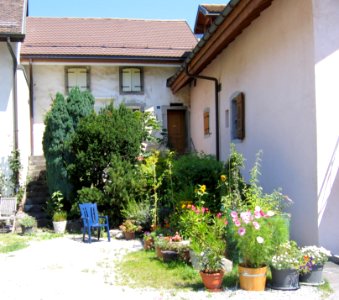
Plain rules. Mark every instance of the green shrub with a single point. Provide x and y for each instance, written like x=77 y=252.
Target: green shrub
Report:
x=60 y=216
x=198 y=169
x=98 y=136
x=138 y=211
x=60 y=123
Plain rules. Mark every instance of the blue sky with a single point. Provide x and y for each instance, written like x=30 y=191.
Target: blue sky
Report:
x=134 y=9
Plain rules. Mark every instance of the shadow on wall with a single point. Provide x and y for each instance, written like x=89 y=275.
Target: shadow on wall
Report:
x=328 y=205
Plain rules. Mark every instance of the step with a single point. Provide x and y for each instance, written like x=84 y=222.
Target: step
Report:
x=36 y=200
x=37 y=159
x=34 y=208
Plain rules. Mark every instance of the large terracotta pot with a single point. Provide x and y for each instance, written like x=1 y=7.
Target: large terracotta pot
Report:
x=252 y=279
x=212 y=281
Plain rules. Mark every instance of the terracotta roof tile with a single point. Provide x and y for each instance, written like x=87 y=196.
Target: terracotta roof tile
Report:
x=107 y=37
x=12 y=14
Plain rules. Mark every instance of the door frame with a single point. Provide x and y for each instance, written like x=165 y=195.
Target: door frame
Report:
x=165 y=109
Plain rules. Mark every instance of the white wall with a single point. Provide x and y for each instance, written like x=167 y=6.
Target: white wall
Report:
x=326 y=29
x=6 y=107
x=272 y=63
x=50 y=79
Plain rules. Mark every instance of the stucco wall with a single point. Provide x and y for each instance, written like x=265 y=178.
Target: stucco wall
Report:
x=50 y=79
x=272 y=63
x=6 y=107
x=326 y=20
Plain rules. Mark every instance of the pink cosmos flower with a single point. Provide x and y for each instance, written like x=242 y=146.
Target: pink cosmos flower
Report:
x=256 y=225
x=246 y=216
x=234 y=214
x=236 y=222
x=241 y=231
x=219 y=215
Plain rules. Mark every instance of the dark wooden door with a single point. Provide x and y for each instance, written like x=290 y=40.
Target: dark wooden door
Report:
x=176 y=129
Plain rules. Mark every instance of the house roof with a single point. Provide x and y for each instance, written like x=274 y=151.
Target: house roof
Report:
x=236 y=16
x=206 y=15
x=12 y=19
x=107 y=38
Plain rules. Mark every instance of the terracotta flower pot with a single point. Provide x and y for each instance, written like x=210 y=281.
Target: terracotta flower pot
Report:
x=252 y=279
x=129 y=235
x=212 y=281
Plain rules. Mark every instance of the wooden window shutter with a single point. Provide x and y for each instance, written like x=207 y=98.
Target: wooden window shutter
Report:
x=241 y=116
x=126 y=80
x=206 y=122
x=238 y=116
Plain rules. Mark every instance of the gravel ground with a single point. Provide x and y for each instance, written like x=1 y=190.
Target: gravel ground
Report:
x=67 y=268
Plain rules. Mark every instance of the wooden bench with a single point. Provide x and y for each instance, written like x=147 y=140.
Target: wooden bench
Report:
x=8 y=210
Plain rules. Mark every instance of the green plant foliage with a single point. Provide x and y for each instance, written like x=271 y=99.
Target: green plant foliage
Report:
x=60 y=216
x=15 y=166
x=138 y=211
x=61 y=122
x=55 y=203
x=193 y=169
x=98 y=136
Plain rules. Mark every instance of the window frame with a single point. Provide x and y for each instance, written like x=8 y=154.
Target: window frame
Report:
x=88 y=76
x=132 y=92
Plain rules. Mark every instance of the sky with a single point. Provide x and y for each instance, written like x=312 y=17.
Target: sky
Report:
x=132 y=9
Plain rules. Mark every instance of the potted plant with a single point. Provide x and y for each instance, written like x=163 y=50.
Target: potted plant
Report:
x=285 y=265
x=148 y=239
x=59 y=221
x=28 y=223
x=257 y=235
x=56 y=212
x=208 y=245
x=129 y=228
x=311 y=270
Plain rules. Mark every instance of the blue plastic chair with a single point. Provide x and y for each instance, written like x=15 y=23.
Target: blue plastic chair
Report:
x=91 y=219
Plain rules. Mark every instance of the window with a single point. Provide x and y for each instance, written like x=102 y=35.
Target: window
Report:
x=131 y=80
x=238 y=116
x=77 y=76
x=206 y=122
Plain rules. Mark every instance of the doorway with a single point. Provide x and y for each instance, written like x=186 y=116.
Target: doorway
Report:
x=176 y=130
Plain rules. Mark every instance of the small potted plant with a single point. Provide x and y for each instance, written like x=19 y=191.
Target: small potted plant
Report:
x=148 y=239
x=129 y=228
x=59 y=221
x=285 y=266
x=311 y=270
x=28 y=223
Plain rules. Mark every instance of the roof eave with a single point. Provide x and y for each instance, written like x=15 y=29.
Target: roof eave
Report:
x=237 y=15
x=115 y=58
x=14 y=37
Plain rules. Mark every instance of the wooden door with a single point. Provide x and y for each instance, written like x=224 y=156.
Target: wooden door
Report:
x=176 y=129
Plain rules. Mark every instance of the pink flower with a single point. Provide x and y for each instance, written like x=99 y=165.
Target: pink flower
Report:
x=219 y=215
x=241 y=231
x=256 y=225
x=246 y=216
x=236 y=222
x=234 y=214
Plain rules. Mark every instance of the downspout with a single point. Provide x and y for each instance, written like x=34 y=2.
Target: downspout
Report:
x=15 y=93
x=31 y=95
x=217 y=89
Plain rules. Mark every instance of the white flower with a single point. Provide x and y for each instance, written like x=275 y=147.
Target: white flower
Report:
x=260 y=239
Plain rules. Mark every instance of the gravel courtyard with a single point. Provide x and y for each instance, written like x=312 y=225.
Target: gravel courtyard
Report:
x=67 y=268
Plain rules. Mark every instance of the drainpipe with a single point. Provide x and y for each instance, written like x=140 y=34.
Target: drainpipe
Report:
x=15 y=97
x=217 y=89
x=31 y=95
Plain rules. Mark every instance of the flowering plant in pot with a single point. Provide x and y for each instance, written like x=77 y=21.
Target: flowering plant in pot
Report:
x=311 y=268
x=285 y=266
x=128 y=227
x=208 y=243
x=257 y=235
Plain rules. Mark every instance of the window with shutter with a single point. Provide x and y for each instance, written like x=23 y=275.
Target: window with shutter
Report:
x=77 y=77
x=131 y=80
x=238 y=116
x=206 y=122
